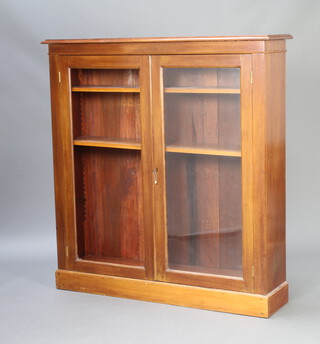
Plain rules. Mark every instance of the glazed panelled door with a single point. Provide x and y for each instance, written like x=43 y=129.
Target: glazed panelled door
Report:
x=202 y=108
x=108 y=99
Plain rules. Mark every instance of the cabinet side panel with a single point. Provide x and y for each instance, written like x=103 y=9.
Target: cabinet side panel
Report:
x=275 y=174
x=269 y=170
x=259 y=171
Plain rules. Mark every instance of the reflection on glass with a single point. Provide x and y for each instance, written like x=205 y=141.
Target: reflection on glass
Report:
x=105 y=77
x=203 y=176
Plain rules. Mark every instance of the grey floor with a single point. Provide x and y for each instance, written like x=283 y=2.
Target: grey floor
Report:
x=33 y=311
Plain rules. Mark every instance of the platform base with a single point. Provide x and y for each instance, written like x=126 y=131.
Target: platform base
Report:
x=175 y=294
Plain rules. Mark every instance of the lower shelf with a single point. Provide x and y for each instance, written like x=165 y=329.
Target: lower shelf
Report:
x=175 y=294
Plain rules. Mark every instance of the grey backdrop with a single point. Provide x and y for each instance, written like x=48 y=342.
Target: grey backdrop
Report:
x=31 y=310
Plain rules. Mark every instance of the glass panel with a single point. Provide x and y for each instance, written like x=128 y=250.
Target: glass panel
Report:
x=109 y=205
x=203 y=175
x=202 y=77
x=108 y=181
x=203 y=120
x=105 y=77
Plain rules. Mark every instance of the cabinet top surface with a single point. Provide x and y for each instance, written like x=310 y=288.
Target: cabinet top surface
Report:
x=169 y=39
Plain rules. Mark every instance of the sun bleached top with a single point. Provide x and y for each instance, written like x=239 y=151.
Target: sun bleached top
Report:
x=169 y=39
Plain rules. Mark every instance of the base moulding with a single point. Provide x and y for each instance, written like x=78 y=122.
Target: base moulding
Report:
x=175 y=294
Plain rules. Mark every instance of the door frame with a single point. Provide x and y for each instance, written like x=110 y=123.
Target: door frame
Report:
x=246 y=282
x=65 y=187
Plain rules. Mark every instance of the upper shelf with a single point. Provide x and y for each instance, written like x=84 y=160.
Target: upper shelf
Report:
x=108 y=89
x=203 y=150
x=107 y=142
x=202 y=90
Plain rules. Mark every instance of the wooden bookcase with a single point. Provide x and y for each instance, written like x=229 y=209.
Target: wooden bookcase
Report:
x=169 y=165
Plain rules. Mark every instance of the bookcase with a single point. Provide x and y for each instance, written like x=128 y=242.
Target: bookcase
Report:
x=169 y=166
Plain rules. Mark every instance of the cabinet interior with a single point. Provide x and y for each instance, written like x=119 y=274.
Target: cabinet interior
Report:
x=203 y=169
x=107 y=156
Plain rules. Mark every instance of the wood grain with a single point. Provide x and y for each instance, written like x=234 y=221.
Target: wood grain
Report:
x=105 y=89
x=110 y=266
x=161 y=48
x=202 y=150
x=114 y=115
x=247 y=175
x=230 y=214
x=269 y=170
x=92 y=141
x=58 y=135
x=230 y=179
x=108 y=78
x=112 y=203
x=276 y=170
x=175 y=294
x=203 y=90
x=84 y=70
x=170 y=39
x=278 y=298
x=193 y=203
x=63 y=162
x=191 y=208
x=216 y=217
x=147 y=165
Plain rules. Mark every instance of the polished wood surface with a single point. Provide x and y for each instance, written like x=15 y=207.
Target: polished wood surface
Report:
x=114 y=115
x=171 y=45
x=109 y=194
x=105 y=89
x=90 y=141
x=175 y=294
x=247 y=176
x=223 y=47
x=203 y=150
x=170 y=39
x=170 y=167
x=190 y=206
x=112 y=77
x=120 y=117
x=59 y=135
x=204 y=90
x=106 y=266
x=269 y=169
x=276 y=171
x=63 y=165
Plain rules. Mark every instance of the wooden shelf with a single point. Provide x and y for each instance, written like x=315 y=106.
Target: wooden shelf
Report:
x=203 y=150
x=205 y=270
x=106 y=142
x=122 y=89
x=207 y=233
x=111 y=260
x=202 y=90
